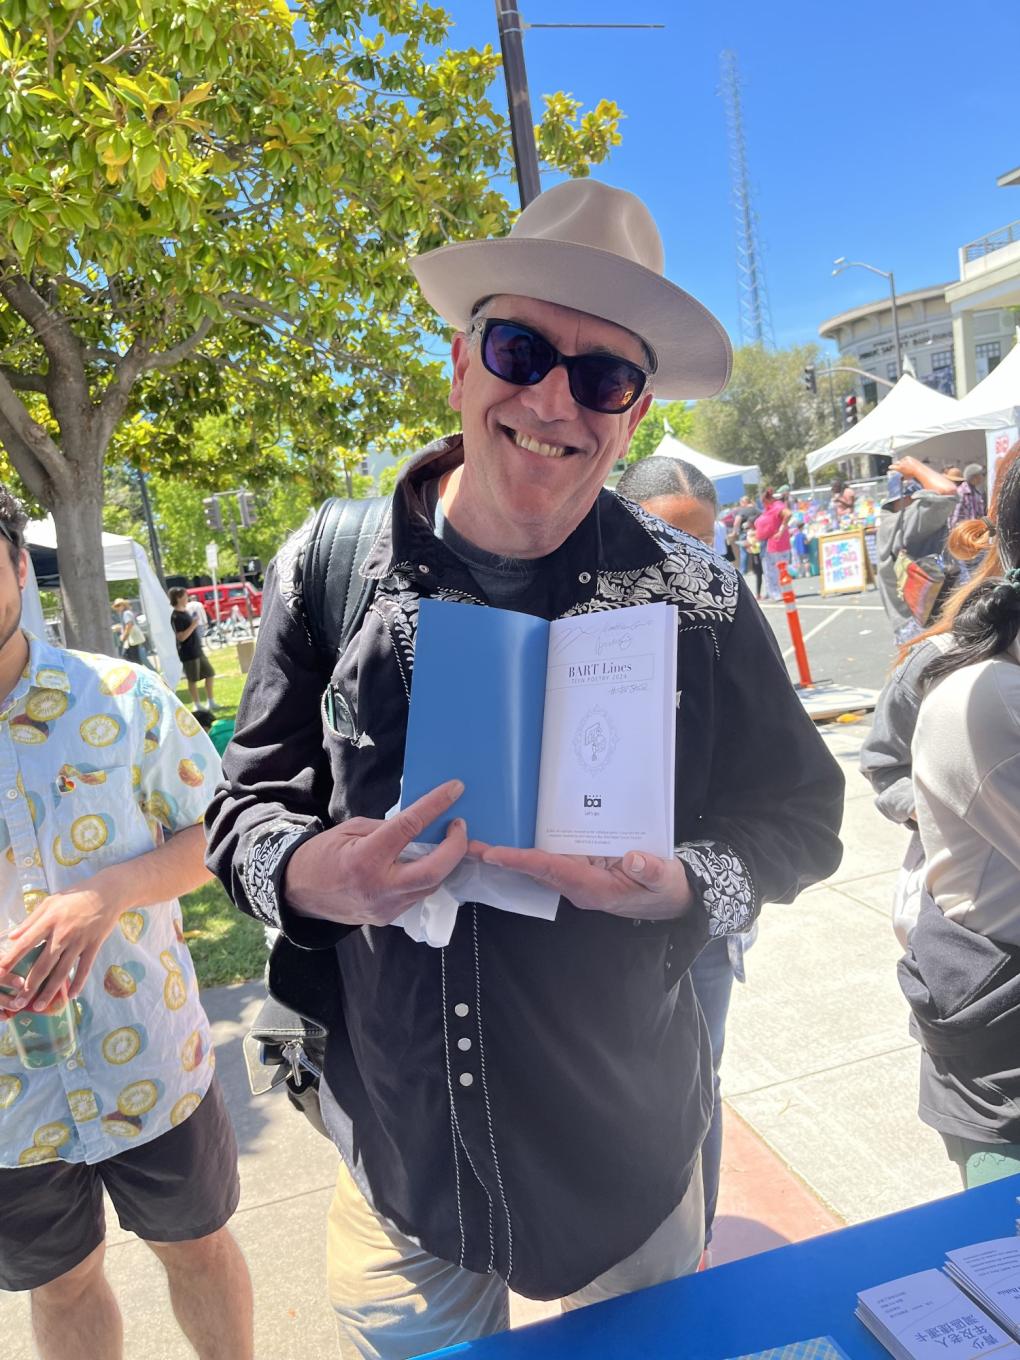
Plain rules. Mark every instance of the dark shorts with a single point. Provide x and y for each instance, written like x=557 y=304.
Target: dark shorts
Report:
x=198 y=668
x=180 y=1186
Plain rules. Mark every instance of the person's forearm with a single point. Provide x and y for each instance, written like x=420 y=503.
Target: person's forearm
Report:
x=170 y=870
x=927 y=476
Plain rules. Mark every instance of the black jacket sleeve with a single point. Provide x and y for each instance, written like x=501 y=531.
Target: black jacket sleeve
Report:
x=775 y=798
x=276 y=775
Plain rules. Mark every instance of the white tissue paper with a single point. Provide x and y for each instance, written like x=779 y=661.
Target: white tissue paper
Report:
x=432 y=920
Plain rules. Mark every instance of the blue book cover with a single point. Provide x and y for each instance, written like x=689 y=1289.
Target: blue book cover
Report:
x=477 y=698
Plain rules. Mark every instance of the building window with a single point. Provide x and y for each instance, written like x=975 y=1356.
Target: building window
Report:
x=890 y=372
x=942 y=377
x=869 y=391
x=988 y=353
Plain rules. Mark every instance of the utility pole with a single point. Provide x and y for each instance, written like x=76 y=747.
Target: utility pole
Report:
x=511 y=42
x=157 y=556
x=522 y=125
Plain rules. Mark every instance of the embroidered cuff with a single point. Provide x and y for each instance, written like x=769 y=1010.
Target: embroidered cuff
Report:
x=265 y=862
x=724 y=884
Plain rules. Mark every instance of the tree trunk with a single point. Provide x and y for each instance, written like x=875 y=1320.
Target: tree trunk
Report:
x=78 y=516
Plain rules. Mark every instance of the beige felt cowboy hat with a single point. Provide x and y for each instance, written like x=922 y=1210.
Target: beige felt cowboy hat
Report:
x=585 y=245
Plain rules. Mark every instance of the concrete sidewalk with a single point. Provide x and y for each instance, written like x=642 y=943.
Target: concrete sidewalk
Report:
x=820 y=1079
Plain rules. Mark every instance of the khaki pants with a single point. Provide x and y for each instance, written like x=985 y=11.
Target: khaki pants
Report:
x=393 y=1300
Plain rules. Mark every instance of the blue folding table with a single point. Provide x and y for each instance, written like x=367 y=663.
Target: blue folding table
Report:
x=795 y=1292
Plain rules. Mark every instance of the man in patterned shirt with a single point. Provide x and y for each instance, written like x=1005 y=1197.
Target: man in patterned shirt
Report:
x=524 y=1106
x=98 y=761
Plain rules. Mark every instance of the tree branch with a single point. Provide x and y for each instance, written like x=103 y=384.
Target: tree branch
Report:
x=32 y=438
x=170 y=358
x=24 y=382
x=60 y=343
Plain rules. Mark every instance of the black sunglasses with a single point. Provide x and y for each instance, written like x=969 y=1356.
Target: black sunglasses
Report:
x=598 y=382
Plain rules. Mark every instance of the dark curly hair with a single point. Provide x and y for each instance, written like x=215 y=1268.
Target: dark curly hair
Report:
x=12 y=522
x=988 y=620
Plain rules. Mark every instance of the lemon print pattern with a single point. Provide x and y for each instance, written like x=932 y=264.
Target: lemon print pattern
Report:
x=46 y=705
x=118 y=679
x=32 y=897
x=90 y=833
x=53 y=1135
x=187 y=1105
x=175 y=991
x=84 y=1105
x=121 y=1045
x=7 y=1049
x=119 y=982
x=190 y=774
x=66 y=858
x=46 y=677
x=191 y=1053
x=121 y=1126
x=138 y=1098
x=28 y=732
x=132 y=925
x=187 y=723
x=35 y=1156
x=10 y=1088
x=151 y=713
x=102 y=729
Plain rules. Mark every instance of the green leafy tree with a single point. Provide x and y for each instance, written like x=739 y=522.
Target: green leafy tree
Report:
x=767 y=416
x=207 y=208
x=673 y=417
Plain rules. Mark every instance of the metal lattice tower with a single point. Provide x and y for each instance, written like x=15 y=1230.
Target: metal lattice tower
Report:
x=755 y=318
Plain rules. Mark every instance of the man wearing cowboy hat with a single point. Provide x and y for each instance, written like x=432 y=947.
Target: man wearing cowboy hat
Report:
x=525 y=1106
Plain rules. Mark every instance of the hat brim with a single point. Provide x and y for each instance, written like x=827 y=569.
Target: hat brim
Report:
x=692 y=350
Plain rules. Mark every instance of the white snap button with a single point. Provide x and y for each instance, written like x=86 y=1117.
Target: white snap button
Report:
x=12 y=793
x=462 y=1009
x=423 y=568
x=466 y=1079
x=463 y=1045
x=27 y=861
x=584 y=577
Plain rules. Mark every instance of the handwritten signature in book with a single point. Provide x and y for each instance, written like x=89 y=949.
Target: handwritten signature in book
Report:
x=612 y=639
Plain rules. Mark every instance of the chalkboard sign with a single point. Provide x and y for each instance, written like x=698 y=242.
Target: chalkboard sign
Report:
x=843 y=562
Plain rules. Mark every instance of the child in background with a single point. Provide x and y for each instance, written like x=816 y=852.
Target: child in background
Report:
x=799 y=543
x=220 y=730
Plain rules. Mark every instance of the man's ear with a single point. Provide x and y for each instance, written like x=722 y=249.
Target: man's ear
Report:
x=637 y=413
x=461 y=355
x=22 y=568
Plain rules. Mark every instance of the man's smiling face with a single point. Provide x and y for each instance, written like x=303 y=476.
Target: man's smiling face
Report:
x=534 y=460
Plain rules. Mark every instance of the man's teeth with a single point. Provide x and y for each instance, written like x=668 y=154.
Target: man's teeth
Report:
x=535 y=446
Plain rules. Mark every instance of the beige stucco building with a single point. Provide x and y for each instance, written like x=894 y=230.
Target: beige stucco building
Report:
x=953 y=333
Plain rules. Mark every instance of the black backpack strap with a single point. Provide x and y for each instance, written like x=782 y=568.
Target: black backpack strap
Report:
x=336 y=596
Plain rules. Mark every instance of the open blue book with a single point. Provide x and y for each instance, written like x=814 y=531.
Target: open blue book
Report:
x=562 y=732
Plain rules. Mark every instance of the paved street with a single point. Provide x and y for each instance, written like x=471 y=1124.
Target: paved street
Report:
x=848 y=637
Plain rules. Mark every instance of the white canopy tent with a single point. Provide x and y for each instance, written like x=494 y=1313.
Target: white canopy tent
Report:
x=123 y=560
x=912 y=416
x=994 y=404
x=729 y=479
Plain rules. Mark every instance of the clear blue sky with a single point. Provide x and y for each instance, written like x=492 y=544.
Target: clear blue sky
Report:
x=873 y=131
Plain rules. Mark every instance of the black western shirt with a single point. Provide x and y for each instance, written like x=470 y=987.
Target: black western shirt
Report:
x=530 y=1099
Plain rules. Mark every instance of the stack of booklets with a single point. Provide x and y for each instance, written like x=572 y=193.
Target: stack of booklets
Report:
x=815 y=1348
x=990 y=1273
x=926 y=1315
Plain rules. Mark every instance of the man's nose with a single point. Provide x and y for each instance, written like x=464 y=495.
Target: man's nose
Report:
x=551 y=399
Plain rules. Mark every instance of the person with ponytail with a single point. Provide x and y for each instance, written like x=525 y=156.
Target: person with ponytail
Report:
x=961 y=971
x=885 y=755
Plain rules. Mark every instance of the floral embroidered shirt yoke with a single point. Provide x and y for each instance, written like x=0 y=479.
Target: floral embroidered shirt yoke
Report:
x=97 y=761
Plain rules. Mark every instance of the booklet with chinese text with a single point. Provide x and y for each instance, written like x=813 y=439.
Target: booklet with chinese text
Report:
x=990 y=1273
x=815 y=1348
x=925 y=1316
x=562 y=732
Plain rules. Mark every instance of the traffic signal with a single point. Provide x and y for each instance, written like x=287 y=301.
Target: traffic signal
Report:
x=849 y=410
x=246 y=508
x=213 y=513
x=809 y=379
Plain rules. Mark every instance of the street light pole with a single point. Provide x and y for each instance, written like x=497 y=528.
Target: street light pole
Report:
x=522 y=126
x=843 y=263
x=157 y=556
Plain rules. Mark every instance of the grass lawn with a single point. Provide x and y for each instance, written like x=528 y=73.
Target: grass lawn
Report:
x=226 y=945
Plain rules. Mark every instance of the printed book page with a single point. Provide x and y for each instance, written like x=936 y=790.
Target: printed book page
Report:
x=926 y=1315
x=609 y=733
x=815 y=1348
x=991 y=1270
